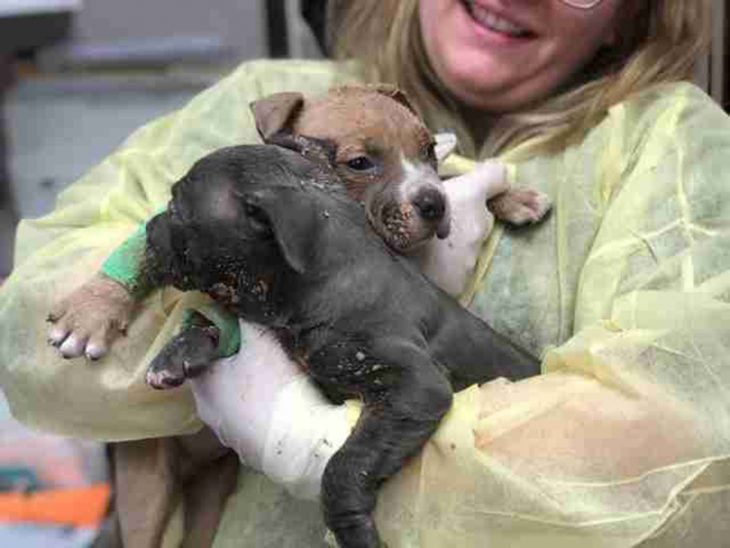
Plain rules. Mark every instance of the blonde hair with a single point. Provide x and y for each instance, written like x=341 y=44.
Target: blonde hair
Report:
x=660 y=42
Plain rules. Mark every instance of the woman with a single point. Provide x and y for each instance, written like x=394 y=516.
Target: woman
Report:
x=623 y=291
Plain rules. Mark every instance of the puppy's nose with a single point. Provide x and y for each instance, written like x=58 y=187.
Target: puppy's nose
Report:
x=431 y=204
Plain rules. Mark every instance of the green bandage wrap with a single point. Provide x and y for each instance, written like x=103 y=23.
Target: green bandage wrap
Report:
x=125 y=263
x=229 y=334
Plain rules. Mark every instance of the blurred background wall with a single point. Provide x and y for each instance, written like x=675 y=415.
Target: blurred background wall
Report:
x=214 y=24
x=78 y=76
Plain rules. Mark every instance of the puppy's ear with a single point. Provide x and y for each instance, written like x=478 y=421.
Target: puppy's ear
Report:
x=322 y=151
x=276 y=113
x=394 y=93
x=291 y=227
x=445 y=145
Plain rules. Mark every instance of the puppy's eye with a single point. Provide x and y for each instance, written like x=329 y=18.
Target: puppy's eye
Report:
x=361 y=163
x=257 y=218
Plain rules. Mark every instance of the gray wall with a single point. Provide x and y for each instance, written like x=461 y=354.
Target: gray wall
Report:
x=235 y=24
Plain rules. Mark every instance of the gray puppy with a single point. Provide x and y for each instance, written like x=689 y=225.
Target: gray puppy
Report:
x=272 y=235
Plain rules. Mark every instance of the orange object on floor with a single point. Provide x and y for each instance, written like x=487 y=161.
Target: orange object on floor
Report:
x=81 y=507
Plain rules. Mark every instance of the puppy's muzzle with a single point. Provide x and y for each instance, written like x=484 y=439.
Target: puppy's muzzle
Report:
x=166 y=250
x=433 y=208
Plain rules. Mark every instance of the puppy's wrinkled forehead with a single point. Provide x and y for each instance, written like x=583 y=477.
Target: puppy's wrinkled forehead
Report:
x=362 y=120
x=215 y=184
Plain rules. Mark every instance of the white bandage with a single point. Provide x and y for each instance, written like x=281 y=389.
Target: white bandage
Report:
x=305 y=431
x=261 y=405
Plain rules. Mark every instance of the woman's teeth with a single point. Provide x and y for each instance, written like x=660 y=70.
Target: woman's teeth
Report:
x=493 y=22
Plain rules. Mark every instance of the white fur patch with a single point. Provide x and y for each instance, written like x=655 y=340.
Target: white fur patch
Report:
x=415 y=177
x=262 y=406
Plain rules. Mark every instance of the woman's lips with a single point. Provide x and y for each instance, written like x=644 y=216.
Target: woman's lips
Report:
x=489 y=20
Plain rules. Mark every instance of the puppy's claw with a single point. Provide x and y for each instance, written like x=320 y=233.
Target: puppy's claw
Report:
x=57 y=335
x=185 y=356
x=73 y=346
x=94 y=352
x=163 y=379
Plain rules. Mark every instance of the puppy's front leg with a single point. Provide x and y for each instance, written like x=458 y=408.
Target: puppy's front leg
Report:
x=184 y=357
x=396 y=422
x=88 y=320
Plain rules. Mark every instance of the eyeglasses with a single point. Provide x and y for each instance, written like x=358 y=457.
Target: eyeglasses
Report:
x=582 y=4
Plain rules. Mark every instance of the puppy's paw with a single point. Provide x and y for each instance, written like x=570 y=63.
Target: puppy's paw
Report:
x=520 y=206
x=165 y=378
x=184 y=357
x=86 y=322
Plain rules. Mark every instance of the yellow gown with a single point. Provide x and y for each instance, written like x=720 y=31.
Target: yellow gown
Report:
x=624 y=292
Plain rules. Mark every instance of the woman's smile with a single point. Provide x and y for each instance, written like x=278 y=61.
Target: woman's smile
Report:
x=497 y=25
x=498 y=56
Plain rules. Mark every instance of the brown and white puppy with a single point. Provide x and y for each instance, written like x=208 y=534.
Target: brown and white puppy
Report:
x=387 y=159
x=384 y=154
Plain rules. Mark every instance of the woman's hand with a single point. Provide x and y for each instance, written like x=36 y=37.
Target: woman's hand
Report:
x=262 y=405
